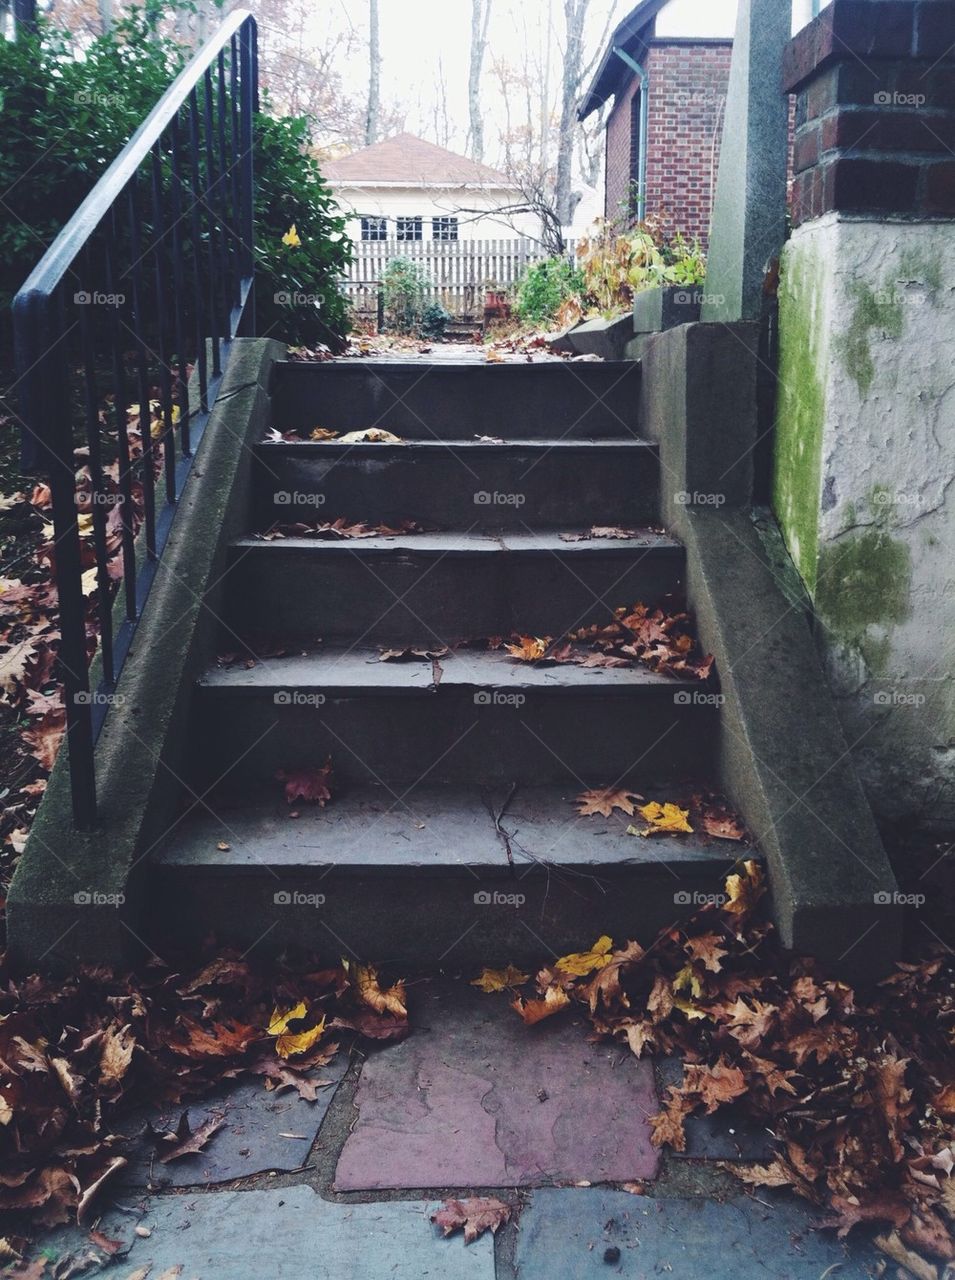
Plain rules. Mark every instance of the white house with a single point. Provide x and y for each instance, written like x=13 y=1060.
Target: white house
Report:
x=408 y=190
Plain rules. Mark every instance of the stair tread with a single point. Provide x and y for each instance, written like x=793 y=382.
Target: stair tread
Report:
x=514 y=444
x=472 y=543
x=346 y=672
x=447 y=830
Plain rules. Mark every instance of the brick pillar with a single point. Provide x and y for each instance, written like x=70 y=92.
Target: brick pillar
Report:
x=875 y=109
x=864 y=450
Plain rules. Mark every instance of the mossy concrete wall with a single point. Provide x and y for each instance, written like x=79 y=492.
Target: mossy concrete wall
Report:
x=864 y=462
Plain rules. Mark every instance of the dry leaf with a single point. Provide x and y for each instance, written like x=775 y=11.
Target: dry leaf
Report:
x=533 y=1011
x=604 y=800
x=475 y=1216
x=500 y=979
x=581 y=963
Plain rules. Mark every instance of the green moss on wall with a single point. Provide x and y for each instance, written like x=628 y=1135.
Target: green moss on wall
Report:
x=882 y=310
x=864 y=581
x=800 y=411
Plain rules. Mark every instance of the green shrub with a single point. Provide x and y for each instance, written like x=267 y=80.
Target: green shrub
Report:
x=434 y=320
x=64 y=118
x=545 y=287
x=405 y=285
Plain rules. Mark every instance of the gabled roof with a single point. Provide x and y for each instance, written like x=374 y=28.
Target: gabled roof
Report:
x=631 y=35
x=409 y=161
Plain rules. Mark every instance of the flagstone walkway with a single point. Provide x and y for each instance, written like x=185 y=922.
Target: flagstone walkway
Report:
x=471 y=1103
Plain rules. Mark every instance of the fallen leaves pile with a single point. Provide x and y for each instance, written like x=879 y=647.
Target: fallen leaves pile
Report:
x=710 y=814
x=30 y=696
x=76 y=1054
x=859 y=1093
x=340 y=529
x=658 y=639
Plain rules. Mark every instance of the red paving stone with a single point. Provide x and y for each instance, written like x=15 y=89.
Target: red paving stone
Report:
x=475 y=1099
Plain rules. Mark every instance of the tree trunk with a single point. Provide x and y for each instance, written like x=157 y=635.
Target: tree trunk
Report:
x=105 y=10
x=575 y=11
x=374 y=75
x=480 y=16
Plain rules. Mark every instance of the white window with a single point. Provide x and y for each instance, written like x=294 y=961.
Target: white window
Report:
x=444 y=228
x=374 y=228
x=408 y=228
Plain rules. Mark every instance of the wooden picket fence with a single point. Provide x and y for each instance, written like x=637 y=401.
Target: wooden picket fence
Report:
x=460 y=271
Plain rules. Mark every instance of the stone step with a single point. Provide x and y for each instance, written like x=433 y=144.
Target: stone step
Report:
x=436 y=589
x=471 y=717
x=536 y=484
x=492 y=871
x=446 y=400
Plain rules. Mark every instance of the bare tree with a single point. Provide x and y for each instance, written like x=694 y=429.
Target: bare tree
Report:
x=480 y=17
x=374 y=75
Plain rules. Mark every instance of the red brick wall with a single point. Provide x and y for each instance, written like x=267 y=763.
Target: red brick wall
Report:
x=687 y=99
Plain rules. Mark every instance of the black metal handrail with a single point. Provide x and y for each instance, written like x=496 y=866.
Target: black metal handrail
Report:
x=152 y=273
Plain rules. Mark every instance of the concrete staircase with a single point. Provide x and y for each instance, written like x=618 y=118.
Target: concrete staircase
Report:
x=451 y=836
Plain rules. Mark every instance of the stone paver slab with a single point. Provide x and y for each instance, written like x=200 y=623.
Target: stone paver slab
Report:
x=475 y=1099
x=250 y=1140
x=565 y=1234
x=728 y=1134
x=287 y=1234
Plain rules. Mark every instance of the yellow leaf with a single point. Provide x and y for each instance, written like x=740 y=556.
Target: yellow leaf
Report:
x=290 y=1042
x=687 y=1007
x=686 y=980
x=292 y=238
x=500 y=979
x=662 y=817
x=391 y=1000
x=278 y=1023
x=745 y=890
x=84 y=522
x=583 y=962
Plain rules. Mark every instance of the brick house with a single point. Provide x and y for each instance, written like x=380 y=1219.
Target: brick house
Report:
x=663 y=130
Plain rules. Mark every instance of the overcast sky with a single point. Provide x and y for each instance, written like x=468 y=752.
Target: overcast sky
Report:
x=423 y=43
